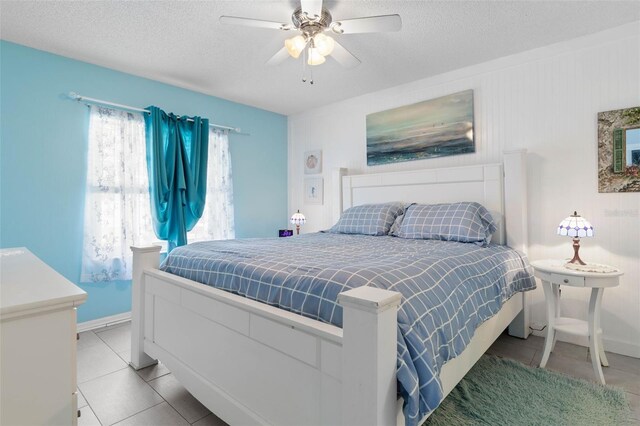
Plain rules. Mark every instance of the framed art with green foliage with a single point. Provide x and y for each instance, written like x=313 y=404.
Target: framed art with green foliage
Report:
x=619 y=150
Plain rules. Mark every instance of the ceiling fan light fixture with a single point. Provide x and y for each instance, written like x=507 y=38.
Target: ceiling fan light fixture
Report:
x=324 y=44
x=295 y=45
x=312 y=23
x=315 y=58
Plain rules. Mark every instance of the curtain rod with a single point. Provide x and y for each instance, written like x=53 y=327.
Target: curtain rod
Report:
x=87 y=100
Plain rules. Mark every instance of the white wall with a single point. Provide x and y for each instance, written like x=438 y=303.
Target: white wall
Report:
x=545 y=100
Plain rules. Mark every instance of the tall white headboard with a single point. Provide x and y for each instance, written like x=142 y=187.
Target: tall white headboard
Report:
x=501 y=188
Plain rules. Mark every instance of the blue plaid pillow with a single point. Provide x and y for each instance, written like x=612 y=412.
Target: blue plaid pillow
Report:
x=395 y=228
x=463 y=222
x=368 y=219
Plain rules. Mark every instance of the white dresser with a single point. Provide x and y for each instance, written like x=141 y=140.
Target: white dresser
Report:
x=37 y=342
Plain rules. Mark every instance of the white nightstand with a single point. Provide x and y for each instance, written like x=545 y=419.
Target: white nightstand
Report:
x=553 y=274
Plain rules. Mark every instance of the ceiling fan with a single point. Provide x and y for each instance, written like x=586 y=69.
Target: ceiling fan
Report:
x=315 y=26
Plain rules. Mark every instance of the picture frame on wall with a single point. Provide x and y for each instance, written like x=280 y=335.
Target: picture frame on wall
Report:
x=313 y=191
x=313 y=162
x=429 y=129
x=619 y=150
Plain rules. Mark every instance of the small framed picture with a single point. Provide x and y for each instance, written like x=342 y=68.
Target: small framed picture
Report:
x=313 y=191
x=313 y=162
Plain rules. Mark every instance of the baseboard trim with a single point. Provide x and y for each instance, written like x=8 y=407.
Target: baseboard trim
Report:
x=610 y=345
x=103 y=322
x=622 y=348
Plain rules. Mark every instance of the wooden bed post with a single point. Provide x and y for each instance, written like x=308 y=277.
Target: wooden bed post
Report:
x=369 y=355
x=143 y=257
x=515 y=208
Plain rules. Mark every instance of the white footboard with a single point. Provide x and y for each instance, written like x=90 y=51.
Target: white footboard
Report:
x=143 y=258
x=369 y=356
x=251 y=363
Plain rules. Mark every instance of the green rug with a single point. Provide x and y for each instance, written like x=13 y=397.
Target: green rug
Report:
x=500 y=392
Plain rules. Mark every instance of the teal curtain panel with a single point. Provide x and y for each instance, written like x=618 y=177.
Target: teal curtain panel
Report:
x=177 y=149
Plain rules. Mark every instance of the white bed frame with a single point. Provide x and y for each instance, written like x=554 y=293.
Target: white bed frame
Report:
x=251 y=363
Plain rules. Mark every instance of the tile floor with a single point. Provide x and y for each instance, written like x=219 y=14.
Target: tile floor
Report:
x=113 y=393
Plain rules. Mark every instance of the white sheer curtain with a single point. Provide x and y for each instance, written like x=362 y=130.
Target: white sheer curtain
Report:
x=217 y=221
x=117 y=212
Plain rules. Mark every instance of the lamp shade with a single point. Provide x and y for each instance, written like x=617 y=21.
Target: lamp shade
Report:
x=324 y=44
x=575 y=226
x=295 y=45
x=315 y=58
x=298 y=219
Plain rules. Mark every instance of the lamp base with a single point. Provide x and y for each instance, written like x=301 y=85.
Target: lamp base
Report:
x=576 y=257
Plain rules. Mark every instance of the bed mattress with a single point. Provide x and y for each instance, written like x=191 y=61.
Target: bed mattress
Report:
x=448 y=289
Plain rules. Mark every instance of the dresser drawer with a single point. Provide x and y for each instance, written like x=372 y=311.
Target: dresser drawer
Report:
x=567 y=280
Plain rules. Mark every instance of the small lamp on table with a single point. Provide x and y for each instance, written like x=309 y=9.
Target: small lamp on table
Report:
x=298 y=219
x=576 y=227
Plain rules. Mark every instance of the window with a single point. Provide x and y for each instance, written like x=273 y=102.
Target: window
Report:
x=117 y=208
x=117 y=211
x=217 y=221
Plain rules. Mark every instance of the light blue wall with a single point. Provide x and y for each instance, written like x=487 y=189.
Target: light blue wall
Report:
x=43 y=159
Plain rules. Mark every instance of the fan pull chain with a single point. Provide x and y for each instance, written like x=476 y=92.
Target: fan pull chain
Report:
x=304 y=65
x=311 y=46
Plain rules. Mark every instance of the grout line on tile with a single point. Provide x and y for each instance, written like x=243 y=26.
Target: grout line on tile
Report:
x=531 y=364
x=110 y=327
x=141 y=411
x=158 y=393
x=196 y=421
x=170 y=405
x=92 y=410
x=111 y=372
x=151 y=380
x=176 y=410
x=615 y=368
x=156 y=378
x=106 y=343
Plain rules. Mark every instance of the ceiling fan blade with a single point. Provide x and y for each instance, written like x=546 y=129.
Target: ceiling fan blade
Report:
x=280 y=56
x=371 y=24
x=344 y=57
x=311 y=7
x=257 y=23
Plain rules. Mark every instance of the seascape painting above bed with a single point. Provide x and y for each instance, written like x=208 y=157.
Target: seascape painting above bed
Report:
x=434 y=128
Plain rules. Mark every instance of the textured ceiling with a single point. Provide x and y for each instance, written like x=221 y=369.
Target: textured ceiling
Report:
x=182 y=43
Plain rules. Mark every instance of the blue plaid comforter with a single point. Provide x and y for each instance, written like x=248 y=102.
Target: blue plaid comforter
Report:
x=448 y=289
